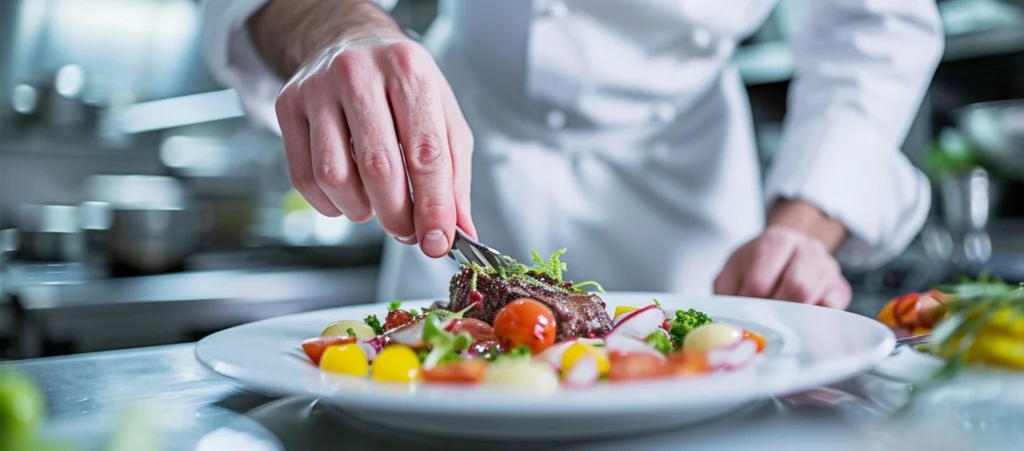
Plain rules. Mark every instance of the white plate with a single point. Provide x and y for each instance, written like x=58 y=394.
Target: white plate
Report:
x=808 y=346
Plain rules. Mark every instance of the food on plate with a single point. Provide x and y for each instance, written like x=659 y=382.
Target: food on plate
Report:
x=486 y=291
x=913 y=313
x=528 y=328
x=975 y=323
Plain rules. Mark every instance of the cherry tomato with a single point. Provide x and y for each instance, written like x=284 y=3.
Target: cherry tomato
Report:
x=461 y=372
x=315 y=347
x=887 y=316
x=688 y=363
x=905 y=310
x=761 y=342
x=929 y=311
x=525 y=322
x=627 y=367
x=397 y=318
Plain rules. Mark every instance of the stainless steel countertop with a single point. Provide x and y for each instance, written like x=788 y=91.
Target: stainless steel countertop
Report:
x=77 y=387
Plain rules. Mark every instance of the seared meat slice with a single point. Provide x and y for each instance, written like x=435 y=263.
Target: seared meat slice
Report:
x=577 y=314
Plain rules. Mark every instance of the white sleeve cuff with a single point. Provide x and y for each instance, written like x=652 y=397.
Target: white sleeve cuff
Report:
x=234 y=61
x=838 y=164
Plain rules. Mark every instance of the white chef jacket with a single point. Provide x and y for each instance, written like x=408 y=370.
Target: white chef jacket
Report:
x=621 y=131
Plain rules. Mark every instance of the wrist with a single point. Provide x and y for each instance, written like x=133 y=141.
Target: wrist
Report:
x=808 y=220
x=288 y=33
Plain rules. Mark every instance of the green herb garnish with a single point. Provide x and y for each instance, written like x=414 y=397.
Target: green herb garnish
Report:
x=444 y=346
x=395 y=305
x=661 y=342
x=374 y=324
x=656 y=302
x=414 y=312
x=521 y=351
x=350 y=332
x=541 y=274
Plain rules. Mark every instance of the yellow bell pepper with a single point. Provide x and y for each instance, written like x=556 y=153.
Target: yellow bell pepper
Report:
x=578 y=350
x=623 y=309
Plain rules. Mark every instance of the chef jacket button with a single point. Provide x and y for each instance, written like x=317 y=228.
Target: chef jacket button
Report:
x=664 y=112
x=556 y=119
x=701 y=38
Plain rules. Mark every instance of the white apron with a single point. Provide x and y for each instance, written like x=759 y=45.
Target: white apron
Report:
x=650 y=208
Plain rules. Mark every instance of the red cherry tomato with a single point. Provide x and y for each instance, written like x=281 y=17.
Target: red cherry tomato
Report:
x=625 y=367
x=461 y=372
x=525 y=322
x=396 y=319
x=315 y=347
x=688 y=363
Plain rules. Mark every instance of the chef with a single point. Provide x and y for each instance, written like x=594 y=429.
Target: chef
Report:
x=617 y=129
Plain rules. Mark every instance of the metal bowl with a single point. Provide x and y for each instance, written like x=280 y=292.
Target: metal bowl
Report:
x=997 y=131
x=151 y=240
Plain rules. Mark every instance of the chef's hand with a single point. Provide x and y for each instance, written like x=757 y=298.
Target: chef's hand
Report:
x=366 y=113
x=792 y=260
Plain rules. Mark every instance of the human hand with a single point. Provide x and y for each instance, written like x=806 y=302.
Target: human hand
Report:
x=366 y=116
x=787 y=263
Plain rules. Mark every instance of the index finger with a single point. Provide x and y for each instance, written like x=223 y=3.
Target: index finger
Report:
x=423 y=133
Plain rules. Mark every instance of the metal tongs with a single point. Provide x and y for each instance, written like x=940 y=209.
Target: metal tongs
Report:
x=466 y=249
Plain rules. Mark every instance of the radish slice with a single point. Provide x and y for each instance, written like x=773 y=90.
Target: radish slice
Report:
x=373 y=346
x=583 y=373
x=627 y=345
x=411 y=334
x=553 y=354
x=732 y=357
x=640 y=323
x=368 y=349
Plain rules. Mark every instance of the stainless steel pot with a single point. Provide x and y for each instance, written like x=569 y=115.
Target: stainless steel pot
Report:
x=144 y=223
x=49 y=233
x=997 y=131
x=151 y=240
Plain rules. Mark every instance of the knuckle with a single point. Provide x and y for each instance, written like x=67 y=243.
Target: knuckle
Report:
x=304 y=185
x=330 y=175
x=396 y=227
x=407 y=56
x=426 y=155
x=378 y=164
x=759 y=286
x=359 y=215
x=801 y=290
x=351 y=64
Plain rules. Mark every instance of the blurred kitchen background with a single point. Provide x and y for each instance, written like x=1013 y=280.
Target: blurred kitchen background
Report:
x=137 y=206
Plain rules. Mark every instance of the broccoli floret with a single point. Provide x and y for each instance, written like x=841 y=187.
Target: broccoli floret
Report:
x=660 y=341
x=374 y=324
x=685 y=322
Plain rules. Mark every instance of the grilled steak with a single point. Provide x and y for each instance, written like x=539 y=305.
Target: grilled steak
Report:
x=577 y=314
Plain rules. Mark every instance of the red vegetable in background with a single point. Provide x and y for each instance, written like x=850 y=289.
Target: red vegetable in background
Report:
x=627 y=367
x=315 y=347
x=461 y=372
x=397 y=318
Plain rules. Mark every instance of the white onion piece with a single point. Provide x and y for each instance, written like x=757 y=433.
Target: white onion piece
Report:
x=627 y=345
x=711 y=336
x=362 y=331
x=640 y=323
x=584 y=372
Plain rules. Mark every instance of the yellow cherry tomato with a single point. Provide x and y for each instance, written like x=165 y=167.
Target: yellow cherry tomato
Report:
x=345 y=359
x=577 y=350
x=620 y=309
x=396 y=363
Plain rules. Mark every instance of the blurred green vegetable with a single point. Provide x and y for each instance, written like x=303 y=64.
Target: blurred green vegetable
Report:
x=21 y=407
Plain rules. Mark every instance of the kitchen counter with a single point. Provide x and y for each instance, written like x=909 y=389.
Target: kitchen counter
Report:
x=840 y=417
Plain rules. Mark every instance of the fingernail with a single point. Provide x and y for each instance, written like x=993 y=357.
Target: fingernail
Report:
x=434 y=242
x=411 y=239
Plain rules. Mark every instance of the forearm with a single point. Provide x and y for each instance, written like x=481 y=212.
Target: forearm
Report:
x=809 y=220
x=287 y=33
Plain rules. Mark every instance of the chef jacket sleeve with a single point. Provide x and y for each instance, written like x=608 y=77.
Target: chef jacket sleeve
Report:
x=862 y=68
x=235 y=62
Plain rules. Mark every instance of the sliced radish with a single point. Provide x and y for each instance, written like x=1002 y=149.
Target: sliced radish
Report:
x=373 y=346
x=732 y=357
x=639 y=323
x=411 y=334
x=583 y=373
x=627 y=345
x=553 y=354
